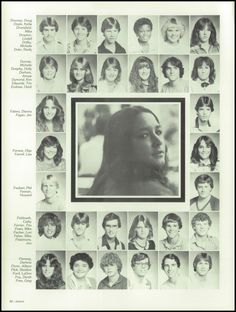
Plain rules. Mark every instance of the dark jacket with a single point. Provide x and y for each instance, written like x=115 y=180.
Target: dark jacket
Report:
x=214 y=202
x=103 y=49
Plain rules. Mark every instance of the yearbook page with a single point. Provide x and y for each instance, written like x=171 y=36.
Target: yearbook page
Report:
x=118 y=155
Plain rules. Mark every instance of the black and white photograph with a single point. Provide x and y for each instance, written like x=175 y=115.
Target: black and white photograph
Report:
x=51 y=73
x=138 y=150
x=204 y=152
x=112 y=230
x=50 y=269
x=81 y=270
x=205 y=34
x=173 y=231
x=204 y=192
x=204 y=269
x=82 y=73
x=143 y=270
x=50 y=152
x=51 y=34
x=143 y=74
x=205 y=73
x=112 y=273
x=112 y=34
x=205 y=231
x=174 y=34
x=173 y=270
x=81 y=230
x=51 y=112
x=143 y=34
x=50 y=230
x=82 y=34
x=50 y=191
x=174 y=73
x=205 y=113
x=112 y=73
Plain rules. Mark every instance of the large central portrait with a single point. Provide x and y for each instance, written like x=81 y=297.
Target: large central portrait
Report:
x=128 y=149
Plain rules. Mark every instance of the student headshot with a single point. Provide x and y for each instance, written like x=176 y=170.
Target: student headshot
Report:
x=50 y=155
x=111 y=265
x=205 y=201
x=174 y=34
x=204 y=108
x=51 y=76
x=110 y=29
x=84 y=35
x=172 y=225
x=204 y=75
x=204 y=156
x=173 y=70
x=204 y=37
x=51 y=231
x=135 y=156
x=49 y=28
x=201 y=239
x=49 y=272
x=81 y=75
x=50 y=115
x=81 y=265
x=112 y=225
x=81 y=237
x=176 y=277
x=143 y=34
x=140 y=264
x=51 y=190
x=142 y=76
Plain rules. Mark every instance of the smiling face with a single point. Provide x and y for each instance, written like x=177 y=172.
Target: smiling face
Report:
x=201 y=228
x=147 y=141
x=49 y=229
x=144 y=71
x=171 y=268
x=49 y=33
x=202 y=267
x=49 y=188
x=50 y=152
x=142 y=230
x=47 y=270
x=172 y=72
x=111 y=73
x=111 y=228
x=141 y=267
x=144 y=33
x=203 y=71
x=49 y=110
x=172 y=229
x=204 y=113
x=49 y=72
x=204 y=34
x=204 y=189
x=111 y=270
x=80 y=32
x=173 y=34
x=79 y=72
x=204 y=150
x=111 y=35
x=80 y=269
x=80 y=228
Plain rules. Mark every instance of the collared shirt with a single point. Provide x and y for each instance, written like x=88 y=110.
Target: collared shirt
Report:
x=204 y=167
x=198 y=86
x=74 y=47
x=179 y=245
x=210 y=243
x=198 y=49
x=81 y=244
x=73 y=283
x=104 y=245
x=43 y=48
x=118 y=48
x=121 y=283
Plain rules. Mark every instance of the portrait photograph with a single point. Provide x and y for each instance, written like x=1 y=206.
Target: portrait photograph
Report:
x=139 y=147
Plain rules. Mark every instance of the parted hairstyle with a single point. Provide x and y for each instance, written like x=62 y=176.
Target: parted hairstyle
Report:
x=47 y=60
x=203 y=101
x=139 y=257
x=82 y=21
x=88 y=76
x=174 y=61
x=173 y=21
x=49 y=218
x=171 y=217
x=140 y=22
x=82 y=256
x=109 y=217
x=204 y=178
x=50 y=141
x=80 y=217
x=51 y=178
x=109 y=23
x=198 y=63
x=111 y=62
x=172 y=257
x=147 y=223
x=202 y=256
x=200 y=25
x=201 y=216
x=48 y=21
x=57 y=121
x=135 y=78
x=110 y=259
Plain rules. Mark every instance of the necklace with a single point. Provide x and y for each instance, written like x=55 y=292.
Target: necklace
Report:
x=146 y=243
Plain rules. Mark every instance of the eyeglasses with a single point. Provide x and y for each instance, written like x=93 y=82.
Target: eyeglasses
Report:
x=145 y=264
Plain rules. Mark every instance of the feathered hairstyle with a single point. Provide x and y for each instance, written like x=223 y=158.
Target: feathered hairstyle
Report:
x=147 y=223
x=50 y=141
x=209 y=62
x=111 y=62
x=47 y=218
x=200 y=25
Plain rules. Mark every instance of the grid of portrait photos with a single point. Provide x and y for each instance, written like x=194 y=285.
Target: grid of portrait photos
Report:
x=123 y=148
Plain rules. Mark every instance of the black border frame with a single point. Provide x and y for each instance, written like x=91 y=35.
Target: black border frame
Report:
x=123 y=199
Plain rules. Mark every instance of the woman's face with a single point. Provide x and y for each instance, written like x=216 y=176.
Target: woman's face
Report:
x=80 y=32
x=144 y=71
x=80 y=228
x=49 y=229
x=172 y=72
x=204 y=150
x=172 y=229
x=47 y=270
x=204 y=34
x=49 y=72
x=204 y=113
x=49 y=188
x=142 y=230
x=50 y=151
x=111 y=35
x=111 y=73
x=49 y=110
x=111 y=270
x=144 y=33
x=147 y=142
x=79 y=72
x=173 y=34
x=202 y=267
x=203 y=71
x=80 y=268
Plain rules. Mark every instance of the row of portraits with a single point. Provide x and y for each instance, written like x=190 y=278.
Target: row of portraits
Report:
x=121 y=270
x=120 y=73
x=128 y=34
